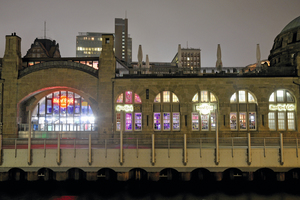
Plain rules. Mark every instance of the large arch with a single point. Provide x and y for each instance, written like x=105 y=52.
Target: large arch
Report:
x=34 y=86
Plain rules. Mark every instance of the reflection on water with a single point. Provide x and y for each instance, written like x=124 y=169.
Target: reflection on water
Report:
x=149 y=190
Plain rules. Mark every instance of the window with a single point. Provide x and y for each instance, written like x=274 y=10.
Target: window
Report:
x=281 y=115
x=205 y=103
x=166 y=104
x=132 y=115
x=63 y=111
x=243 y=111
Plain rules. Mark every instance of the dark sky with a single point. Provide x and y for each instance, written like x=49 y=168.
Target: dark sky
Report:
x=158 y=25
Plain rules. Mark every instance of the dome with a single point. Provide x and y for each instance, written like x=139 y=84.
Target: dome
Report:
x=293 y=24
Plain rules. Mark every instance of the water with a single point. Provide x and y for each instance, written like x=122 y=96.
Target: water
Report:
x=83 y=190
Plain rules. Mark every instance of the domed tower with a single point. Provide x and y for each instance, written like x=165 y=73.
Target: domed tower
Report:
x=286 y=49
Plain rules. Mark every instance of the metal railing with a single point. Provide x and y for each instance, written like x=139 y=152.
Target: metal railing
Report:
x=59 y=127
x=104 y=141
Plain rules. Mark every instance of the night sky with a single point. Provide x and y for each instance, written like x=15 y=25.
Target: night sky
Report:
x=158 y=25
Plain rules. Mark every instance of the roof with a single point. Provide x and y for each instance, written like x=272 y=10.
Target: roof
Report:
x=293 y=24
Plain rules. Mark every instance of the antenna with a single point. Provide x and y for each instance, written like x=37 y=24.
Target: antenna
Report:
x=125 y=14
x=44 y=29
x=187 y=44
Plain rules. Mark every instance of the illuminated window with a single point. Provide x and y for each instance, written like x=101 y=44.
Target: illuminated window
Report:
x=166 y=96
x=175 y=98
x=281 y=115
x=120 y=98
x=63 y=111
x=206 y=107
x=128 y=97
x=195 y=121
x=132 y=116
x=169 y=109
x=195 y=98
x=243 y=111
x=137 y=98
x=204 y=96
x=157 y=98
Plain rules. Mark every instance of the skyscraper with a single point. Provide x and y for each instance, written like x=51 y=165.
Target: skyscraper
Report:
x=123 y=44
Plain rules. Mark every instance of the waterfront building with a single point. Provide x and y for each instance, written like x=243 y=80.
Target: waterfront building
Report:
x=74 y=96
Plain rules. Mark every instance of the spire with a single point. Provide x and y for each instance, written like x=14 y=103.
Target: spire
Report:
x=147 y=61
x=219 y=63
x=258 y=64
x=140 y=57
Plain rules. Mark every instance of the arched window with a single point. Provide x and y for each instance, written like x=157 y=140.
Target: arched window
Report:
x=63 y=111
x=131 y=105
x=282 y=111
x=204 y=107
x=166 y=111
x=243 y=109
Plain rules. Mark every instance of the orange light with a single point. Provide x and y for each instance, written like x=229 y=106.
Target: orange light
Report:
x=63 y=101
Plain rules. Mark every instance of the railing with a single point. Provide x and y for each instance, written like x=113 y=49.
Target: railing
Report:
x=145 y=143
x=59 y=127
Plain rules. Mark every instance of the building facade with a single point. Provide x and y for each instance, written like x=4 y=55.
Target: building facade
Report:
x=68 y=96
x=88 y=44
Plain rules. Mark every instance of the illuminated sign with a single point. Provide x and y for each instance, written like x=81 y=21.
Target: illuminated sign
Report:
x=126 y=108
x=282 y=107
x=204 y=108
x=63 y=101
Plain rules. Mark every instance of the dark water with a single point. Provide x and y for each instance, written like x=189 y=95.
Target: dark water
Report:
x=149 y=190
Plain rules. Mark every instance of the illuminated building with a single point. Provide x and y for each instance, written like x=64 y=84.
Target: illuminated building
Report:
x=88 y=44
x=75 y=96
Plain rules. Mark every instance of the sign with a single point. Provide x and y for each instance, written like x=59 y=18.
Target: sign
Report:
x=126 y=108
x=282 y=107
x=63 y=101
x=204 y=108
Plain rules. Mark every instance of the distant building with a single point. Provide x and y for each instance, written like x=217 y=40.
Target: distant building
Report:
x=123 y=43
x=88 y=44
x=190 y=58
x=43 y=48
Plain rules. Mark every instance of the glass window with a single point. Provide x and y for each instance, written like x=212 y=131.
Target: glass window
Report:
x=291 y=120
x=251 y=98
x=195 y=98
x=138 y=122
x=252 y=121
x=233 y=98
x=272 y=124
x=137 y=98
x=166 y=96
x=118 y=122
x=281 y=121
x=157 y=126
x=282 y=107
x=212 y=98
x=289 y=97
x=175 y=98
x=204 y=122
x=176 y=121
x=128 y=97
x=157 y=98
x=243 y=124
x=204 y=96
x=272 y=98
x=195 y=121
x=120 y=98
x=166 y=122
x=128 y=122
x=242 y=96
x=213 y=121
x=60 y=111
x=279 y=95
x=233 y=119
